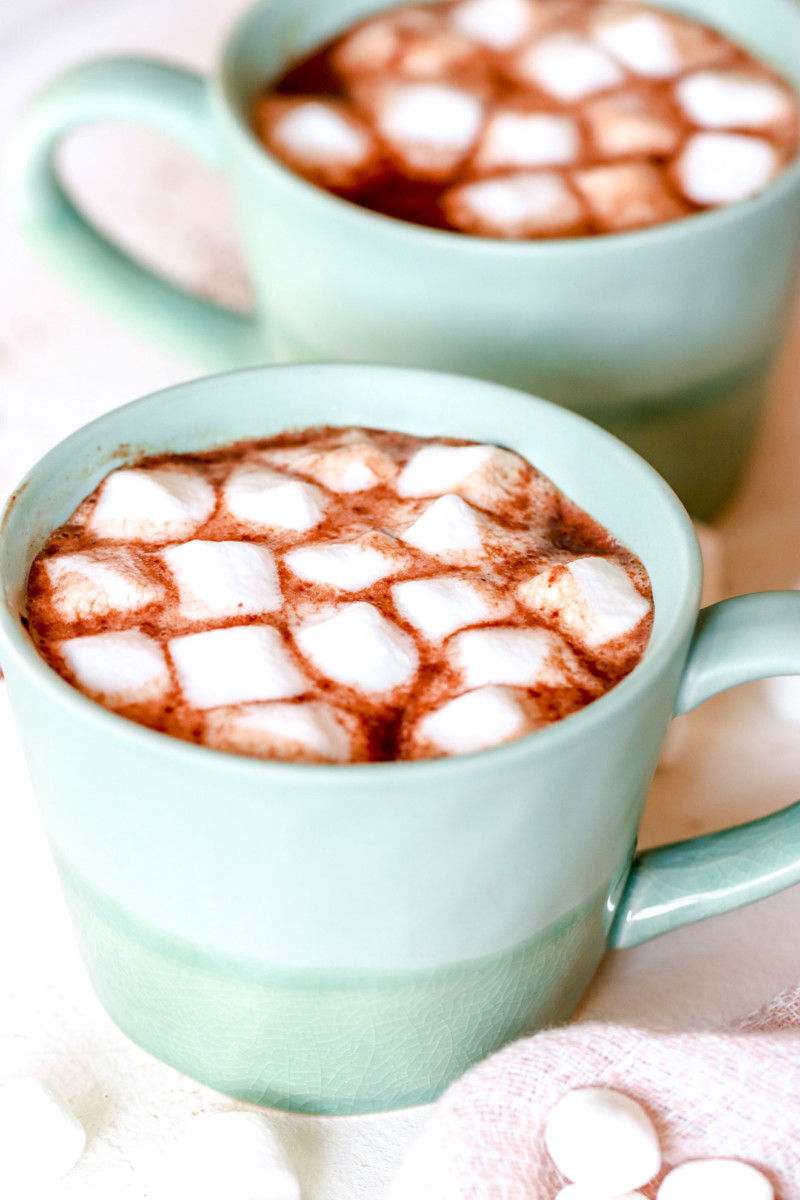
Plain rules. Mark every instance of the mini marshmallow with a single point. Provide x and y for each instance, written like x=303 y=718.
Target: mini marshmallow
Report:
x=728 y=100
x=229 y=1156
x=593 y=600
x=162 y=504
x=125 y=667
x=472 y=471
x=627 y=195
x=527 y=204
x=711 y=1177
x=438 y=607
x=602 y=1140
x=527 y=139
x=724 y=168
x=782 y=694
x=95 y=583
x=223 y=579
x=235 y=665
x=356 y=645
x=569 y=67
x=265 y=499
x=574 y=1191
x=449 y=529
x=515 y=657
x=350 y=566
x=320 y=137
x=499 y=24
x=431 y=126
x=356 y=466
x=306 y=730
x=42 y=1138
x=475 y=721
x=642 y=42
x=628 y=123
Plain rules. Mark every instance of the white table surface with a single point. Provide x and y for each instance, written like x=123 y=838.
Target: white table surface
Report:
x=61 y=364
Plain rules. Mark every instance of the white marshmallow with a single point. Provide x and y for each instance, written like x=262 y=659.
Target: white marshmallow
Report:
x=356 y=645
x=235 y=665
x=642 y=42
x=481 y=474
x=355 y=466
x=712 y=1177
x=499 y=24
x=430 y=125
x=476 y=721
x=42 y=1138
x=628 y=123
x=522 y=139
x=351 y=565
x=449 y=529
x=265 y=499
x=602 y=1140
x=94 y=583
x=515 y=206
x=223 y=579
x=727 y=100
x=125 y=667
x=438 y=607
x=371 y=47
x=593 y=599
x=569 y=67
x=322 y=137
x=724 y=168
x=159 y=505
x=626 y=195
x=514 y=657
x=229 y=1156
x=308 y=729
x=574 y=1191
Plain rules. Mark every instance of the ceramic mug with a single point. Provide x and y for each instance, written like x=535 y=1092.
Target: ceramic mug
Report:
x=665 y=336
x=341 y=939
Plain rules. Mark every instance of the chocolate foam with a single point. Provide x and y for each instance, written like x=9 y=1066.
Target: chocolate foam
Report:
x=540 y=528
x=385 y=185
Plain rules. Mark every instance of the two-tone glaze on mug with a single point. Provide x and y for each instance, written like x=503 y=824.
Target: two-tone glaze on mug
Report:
x=665 y=336
x=349 y=938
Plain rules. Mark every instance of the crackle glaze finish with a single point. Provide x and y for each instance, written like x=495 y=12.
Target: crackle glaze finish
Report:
x=350 y=938
x=666 y=336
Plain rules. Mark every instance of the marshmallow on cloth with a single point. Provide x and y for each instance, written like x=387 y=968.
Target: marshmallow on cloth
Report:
x=734 y=1095
x=41 y=1137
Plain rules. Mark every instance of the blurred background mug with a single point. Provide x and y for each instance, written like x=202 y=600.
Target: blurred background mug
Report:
x=349 y=938
x=665 y=336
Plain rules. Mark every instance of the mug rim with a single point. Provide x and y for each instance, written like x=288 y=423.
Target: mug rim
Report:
x=553 y=737
x=709 y=219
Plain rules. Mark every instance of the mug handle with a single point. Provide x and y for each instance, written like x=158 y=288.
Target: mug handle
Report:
x=169 y=99
x=736 y=641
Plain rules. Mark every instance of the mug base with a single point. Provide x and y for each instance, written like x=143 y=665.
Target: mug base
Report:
x=326 y=1042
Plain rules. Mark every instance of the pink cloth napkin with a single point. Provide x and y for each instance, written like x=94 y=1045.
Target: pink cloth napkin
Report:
x=734 y=1094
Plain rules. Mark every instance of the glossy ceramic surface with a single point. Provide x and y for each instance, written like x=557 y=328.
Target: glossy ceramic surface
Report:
x=666 y=337
x=347 y=938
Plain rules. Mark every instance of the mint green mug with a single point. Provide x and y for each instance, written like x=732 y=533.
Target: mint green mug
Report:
x=341 y=939
x=666 y=337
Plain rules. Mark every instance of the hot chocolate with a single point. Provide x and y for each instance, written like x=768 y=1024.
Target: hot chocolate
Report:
x=532 y=118
x=338 y=595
